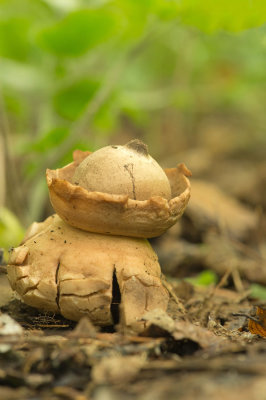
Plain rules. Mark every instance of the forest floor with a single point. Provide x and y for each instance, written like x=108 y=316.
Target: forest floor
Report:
x=207 y=354
x=211 y=343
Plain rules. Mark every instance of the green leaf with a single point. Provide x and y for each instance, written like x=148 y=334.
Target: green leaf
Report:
x=233 y=16
x=205 y=278
x=135 y=16
x=258 y=291
x=49 y=140
x=14 y=38
x=78 y=31
x=71 y=101
x=18 y=20
x=209 y=16
x=40 y=147
x=11 y=231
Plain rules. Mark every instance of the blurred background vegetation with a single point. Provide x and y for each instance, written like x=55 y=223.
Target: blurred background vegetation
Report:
x=188 y=77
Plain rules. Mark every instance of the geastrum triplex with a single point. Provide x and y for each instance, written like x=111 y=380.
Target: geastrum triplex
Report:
x=93 y=258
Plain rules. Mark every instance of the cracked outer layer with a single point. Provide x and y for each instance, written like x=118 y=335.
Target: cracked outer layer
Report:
x=65 y=270
x=117 y=214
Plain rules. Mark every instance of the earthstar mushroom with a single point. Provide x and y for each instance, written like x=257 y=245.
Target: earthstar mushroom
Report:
x=74 y=263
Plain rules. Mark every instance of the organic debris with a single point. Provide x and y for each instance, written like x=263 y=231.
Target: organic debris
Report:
x=257 y=325
x=209 y=343
x=48 y=359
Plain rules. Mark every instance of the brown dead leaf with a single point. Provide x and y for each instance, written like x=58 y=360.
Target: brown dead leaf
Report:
x=258 y=326
x=198 y=334
x=210 y=206
x=159 y=322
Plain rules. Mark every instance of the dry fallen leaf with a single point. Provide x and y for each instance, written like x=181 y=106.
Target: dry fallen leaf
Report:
x=257 y=326
x=210 y=206
x=159 y=323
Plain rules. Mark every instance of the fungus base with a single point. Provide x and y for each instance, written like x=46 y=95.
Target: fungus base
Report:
x=65 y=270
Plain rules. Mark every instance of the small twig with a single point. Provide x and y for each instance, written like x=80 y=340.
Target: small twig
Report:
x=234 y=272
x=257 y=320
x=237 y=280
x=242 y=296
x=52 y=326
x=223 y=280
x=168 y=286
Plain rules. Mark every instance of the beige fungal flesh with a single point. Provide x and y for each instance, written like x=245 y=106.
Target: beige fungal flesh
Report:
x=63 y=269
x=123 y=170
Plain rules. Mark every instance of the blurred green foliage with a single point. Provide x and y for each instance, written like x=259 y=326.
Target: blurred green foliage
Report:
x=78 y=32
x=11 y=230
x=257 y=291
x=71 y=101
x=75 y=72
x=204 y=278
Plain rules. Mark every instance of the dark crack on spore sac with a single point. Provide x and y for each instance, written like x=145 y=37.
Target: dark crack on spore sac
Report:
x=57 y=285
x=129 y=169
x=116 y=299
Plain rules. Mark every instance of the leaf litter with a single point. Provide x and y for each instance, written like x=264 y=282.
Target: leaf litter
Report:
x=209 y=343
